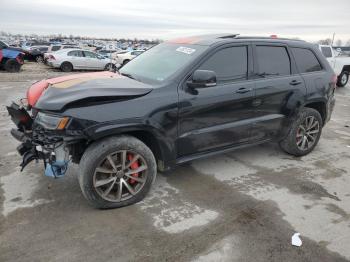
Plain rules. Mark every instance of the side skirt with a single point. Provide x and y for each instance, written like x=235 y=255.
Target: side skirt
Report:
x=185 y=159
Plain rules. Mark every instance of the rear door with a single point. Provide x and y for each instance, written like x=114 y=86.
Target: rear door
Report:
x=76 y=57
x=220 y=116
x=277 y=84
x=92 y=61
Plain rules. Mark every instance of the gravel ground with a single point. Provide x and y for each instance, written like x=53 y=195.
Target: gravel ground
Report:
x=241 y=206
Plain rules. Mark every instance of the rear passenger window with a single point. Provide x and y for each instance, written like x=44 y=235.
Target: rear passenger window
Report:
x=306 y=60
x=273 y=60
x=229 y=64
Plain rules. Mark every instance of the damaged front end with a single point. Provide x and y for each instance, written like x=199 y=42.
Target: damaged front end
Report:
x=43 y=138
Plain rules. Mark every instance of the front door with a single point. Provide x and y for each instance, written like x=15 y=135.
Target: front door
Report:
x=219 y=116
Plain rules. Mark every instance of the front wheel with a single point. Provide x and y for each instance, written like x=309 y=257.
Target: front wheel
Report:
x=126 y=61
x=116 y=172
x=304 y=133
x=39 y=59
x=343 y=79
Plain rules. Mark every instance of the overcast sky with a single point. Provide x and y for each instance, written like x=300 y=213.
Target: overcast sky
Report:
x=308 y=19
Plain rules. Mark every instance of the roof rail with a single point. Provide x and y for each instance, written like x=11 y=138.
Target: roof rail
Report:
x=267 y=37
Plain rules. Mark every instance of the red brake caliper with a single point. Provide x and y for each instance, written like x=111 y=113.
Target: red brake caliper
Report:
x=134 y=165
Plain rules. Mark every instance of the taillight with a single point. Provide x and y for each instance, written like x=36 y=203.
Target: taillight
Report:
x=273 y=36
x=334 y=79
x=51 y=57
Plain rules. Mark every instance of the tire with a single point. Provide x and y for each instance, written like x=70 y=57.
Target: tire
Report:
x=293 y=142
x=110 y=67
x=39 y=59
x=67 y=67
x=12 y=66
x=96 y=162
x=343 y=79
x=126 y=61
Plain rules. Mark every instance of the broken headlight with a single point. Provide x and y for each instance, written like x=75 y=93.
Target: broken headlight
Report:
x=51 y=122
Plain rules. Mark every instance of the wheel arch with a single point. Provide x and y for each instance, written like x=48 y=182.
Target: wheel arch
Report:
x=161 y=147
x=346 y=68
x=319 y=106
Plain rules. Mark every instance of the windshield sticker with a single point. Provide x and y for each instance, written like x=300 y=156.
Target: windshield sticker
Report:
x=186 y=50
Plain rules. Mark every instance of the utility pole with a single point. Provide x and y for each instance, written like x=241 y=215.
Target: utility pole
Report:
x=333 y=39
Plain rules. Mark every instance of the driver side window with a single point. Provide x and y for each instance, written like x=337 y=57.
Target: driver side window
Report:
x=230 y=64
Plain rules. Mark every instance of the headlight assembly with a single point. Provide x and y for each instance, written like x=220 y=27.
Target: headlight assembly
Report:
x=51 y=122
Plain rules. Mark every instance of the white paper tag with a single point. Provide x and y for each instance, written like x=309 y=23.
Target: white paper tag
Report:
x=186 y=50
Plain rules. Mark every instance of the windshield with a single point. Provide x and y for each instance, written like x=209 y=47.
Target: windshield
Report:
x=161 y=62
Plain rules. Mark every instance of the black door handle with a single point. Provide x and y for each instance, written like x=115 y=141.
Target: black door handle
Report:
x=243 y=90
x=295 y=82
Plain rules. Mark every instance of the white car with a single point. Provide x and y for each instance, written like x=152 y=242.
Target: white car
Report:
x=340 y=64
x=71 y=59
x=124 y=57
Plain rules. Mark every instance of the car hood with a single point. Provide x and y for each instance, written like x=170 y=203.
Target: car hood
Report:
x=84 y=89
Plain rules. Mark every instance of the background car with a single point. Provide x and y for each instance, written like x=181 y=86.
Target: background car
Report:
x=124 y=57
x=36 y=53
x=11 y=59
x=107 y=53
x=55 y=48
x=71 y=59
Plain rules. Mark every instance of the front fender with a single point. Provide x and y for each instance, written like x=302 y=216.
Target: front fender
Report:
x=166 y=145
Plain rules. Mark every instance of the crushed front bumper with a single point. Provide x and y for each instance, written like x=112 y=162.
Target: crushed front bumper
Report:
x=36 y=145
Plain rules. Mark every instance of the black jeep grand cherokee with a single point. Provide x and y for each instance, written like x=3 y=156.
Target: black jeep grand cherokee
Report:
x=181 y=100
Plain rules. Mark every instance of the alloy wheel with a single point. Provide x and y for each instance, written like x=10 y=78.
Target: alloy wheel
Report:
x=120 y=176
x=307 y=133
x=344 y=79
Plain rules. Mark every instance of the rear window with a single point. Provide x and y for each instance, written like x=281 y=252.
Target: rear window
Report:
x=326 y=51
x=273 y=60
x=306 y=60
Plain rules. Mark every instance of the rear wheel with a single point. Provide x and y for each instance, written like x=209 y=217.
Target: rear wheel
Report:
x=110 y=67
x=116 y=172
x=343 y=79
x=304 y=133
x=12 y=66
x=66 y=67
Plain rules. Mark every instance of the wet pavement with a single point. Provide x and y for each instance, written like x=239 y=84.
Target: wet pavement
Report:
x=240 y=206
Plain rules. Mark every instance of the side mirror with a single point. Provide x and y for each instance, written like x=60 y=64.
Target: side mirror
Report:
x=202 y=79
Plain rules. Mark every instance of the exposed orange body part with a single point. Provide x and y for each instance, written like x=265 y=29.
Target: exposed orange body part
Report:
x=185 y=40
x=36 y=90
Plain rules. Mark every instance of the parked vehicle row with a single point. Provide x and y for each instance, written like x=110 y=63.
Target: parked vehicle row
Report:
x=181 y=100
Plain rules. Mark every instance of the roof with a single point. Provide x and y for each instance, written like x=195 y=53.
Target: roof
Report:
x=215 y=38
